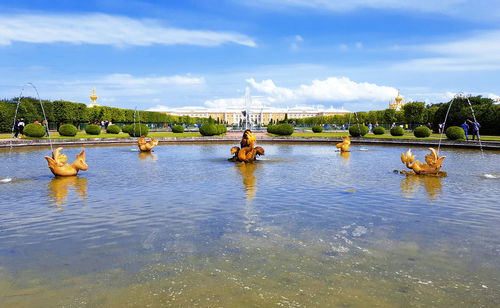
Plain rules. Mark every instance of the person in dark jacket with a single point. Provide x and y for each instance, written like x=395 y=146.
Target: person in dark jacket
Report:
x=475 y=129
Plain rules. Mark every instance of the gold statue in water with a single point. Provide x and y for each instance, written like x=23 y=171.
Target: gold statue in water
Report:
x=345 y=144
x=434 y=163
x=248 y=151
x=58 y=165
x=145 y=146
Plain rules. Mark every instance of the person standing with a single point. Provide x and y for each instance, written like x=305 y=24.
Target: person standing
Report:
x=370 y=127
x=465 y=127
x=20 y=125
x=475 y=129
x=16 y=128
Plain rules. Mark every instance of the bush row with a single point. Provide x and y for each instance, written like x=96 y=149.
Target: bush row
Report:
x=211 y=129
x=280 y=129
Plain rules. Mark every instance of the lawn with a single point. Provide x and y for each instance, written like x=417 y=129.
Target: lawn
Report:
x=83 y=135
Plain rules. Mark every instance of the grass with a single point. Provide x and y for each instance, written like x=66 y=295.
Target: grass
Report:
x=83 y=135
x=385 y=136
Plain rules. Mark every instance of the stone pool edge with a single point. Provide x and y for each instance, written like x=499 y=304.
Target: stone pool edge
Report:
x=487 y=145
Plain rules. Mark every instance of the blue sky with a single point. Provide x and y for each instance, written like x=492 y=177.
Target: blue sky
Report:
x=163 y=54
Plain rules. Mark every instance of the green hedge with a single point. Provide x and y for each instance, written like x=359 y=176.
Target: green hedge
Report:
x=113 y=129
x=209 y=129
x=455 y=133
x=138 y=130
x=93 y=129
x=284 y=129
x=397 y=131
x=422 y=132
x=221 y=129
x=379 y=130
x=68 y=130
x=317 y=128
x=357 y=130
x=34 y=130
x=178 y=129
x=125 y=128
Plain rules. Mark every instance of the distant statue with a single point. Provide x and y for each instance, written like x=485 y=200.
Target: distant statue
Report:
x=248 y=152
x=433 y=166
x=345 y=144
x=58 y=166
x=144 y=146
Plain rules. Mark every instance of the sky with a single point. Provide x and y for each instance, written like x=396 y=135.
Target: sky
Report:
x=159 y=55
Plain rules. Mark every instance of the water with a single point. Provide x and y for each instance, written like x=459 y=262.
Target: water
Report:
x=305 y=226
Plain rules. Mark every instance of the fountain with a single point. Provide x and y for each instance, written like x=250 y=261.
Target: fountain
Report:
x=248 y=152
x=345 y=144
x=433 y=166
x=145 y=146
x=59 y=167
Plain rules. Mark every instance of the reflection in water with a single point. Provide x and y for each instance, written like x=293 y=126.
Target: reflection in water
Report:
x=148 y=156
x=58 y=188
x=249 y=180
x=411 y=184
x=345 y=157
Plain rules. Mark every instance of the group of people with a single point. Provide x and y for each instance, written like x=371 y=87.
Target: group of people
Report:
x=472 y=125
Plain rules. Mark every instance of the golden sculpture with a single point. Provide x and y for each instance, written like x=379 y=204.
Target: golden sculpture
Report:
x=58 y=165
x=345 y=144
x=144 y=146
x=434 y=163
x=248 y=151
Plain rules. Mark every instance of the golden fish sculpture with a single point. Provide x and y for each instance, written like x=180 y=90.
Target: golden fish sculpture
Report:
x=59 y=167
x=432 y=166
x=345 y=144
x=145 y=146
x=248 y=151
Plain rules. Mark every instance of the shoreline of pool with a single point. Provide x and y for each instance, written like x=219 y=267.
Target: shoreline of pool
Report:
x=486 y=145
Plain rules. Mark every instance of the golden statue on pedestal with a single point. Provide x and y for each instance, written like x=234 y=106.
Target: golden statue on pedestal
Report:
x=145 y=146
x=58 y=165
x=248 y=152
x=434 y=163
x=345 y=144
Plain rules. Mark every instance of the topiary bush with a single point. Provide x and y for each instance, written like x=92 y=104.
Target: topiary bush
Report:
x=125 y=128
x=208 y=129
x=178 y=129
x=93 y=129
x=34 y=130
x=113 y=129
x=397 y=131
x=455 y=133
x=357 y=130
x=221 y=129
x=379 y=130
x=317 y=128
x=284 y=129
x=422 y=132
x=68 y=130
x=138 y=130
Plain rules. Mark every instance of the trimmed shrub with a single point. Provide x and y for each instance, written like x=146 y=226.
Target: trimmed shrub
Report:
x=113 y=129
x=93 y=129
x=397 y=131
x=178 y=129
x=379 y=130
x=208 y=129
x=138 y=130
x=284 y=129
x=221 y=129
x=455 y=133
x=422 y=132
x=357 y=130
x=125 y=128
x=317 y=128
x=68 y=130
x=34 y=130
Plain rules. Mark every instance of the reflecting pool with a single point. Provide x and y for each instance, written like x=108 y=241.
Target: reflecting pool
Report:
x=304 y=226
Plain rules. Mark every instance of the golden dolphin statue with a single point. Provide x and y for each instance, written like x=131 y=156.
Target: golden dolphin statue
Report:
x=432 y=166
x=58 y=166
x=145 y=146
x=345 y=144
x=248 y=152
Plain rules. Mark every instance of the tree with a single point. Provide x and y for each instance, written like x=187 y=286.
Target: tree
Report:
x=414 y=112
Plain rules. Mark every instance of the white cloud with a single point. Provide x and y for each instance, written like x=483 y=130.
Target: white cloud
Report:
x=103 y=29
x=331 y=89
x=127 y=80
x=476 y=53
x=159 y=108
